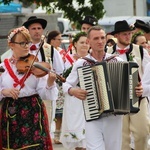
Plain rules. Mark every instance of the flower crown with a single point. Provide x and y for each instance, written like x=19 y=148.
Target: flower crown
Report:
x=15 y=31
x=135 y=35
x=78 y=35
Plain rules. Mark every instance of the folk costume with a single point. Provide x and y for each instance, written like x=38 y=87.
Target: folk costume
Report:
x=24 y=121
x=73 y=126
x=101 y=127
x=131 y=124
x=52 y=56
x=48 y=54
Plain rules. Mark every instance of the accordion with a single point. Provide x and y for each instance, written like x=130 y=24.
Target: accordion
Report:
x=110 y=87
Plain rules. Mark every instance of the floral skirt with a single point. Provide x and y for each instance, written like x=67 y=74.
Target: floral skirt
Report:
x=73 y=124
x=24 y=124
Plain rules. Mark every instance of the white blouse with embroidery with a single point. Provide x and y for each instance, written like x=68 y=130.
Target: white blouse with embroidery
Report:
x=33 y=85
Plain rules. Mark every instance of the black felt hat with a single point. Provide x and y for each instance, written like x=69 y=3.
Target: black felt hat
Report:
x=142 y=25
x=34 y=19
x=89 y=20
x=121 y=26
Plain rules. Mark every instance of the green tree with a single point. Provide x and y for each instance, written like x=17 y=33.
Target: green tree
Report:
x=94 y=7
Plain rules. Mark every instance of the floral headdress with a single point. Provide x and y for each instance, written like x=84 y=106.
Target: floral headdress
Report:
x=15 y=31
x=135 y=35
x=78 y=35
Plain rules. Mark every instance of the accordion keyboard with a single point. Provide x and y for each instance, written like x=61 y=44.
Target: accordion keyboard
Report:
x=91 y=106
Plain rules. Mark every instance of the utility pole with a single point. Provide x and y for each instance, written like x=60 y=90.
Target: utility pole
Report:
x=134 y=7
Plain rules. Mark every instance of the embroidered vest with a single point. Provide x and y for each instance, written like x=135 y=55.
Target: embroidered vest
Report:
x=48 y=53
x=136 y=51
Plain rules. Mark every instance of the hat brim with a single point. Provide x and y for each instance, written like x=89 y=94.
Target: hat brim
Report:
x=43 y=22
x=86 y=22
x=145 y=28
x=115 y=32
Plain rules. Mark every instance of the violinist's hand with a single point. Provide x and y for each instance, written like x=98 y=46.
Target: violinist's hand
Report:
x=11 y=93
x=139 y=89
x=51 y=79
x=78 y=93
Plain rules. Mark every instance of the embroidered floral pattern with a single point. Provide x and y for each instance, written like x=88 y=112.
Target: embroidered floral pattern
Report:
x=28 y=128
x=73 y=135
x=47 y=50
x=60 y=100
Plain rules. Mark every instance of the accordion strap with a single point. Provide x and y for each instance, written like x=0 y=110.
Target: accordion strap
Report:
x=110 y=58
x=92 y=62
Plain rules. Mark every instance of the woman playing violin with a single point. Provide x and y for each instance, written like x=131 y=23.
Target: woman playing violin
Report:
x=24 y=120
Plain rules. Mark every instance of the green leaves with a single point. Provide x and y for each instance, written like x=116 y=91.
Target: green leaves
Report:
x=72 y=12
x=67 y=72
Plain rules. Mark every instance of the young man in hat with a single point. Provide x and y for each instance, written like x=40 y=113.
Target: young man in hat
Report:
x=47 y=53
x=87 y=22
x=36 y=28
x=137 y=124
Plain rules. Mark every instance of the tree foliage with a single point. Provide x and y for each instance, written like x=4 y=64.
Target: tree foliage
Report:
x=94 y=7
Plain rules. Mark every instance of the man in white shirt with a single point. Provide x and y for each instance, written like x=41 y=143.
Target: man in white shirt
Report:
x=105 y=132
x=132 y=124
x=36 y=28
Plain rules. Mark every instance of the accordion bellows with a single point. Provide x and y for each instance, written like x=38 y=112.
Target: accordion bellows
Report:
x=110 y=87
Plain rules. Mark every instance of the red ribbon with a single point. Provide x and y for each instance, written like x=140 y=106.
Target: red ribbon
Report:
x=11 y=73
x=67 y=56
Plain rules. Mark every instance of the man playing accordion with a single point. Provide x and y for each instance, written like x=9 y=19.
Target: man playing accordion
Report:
x=104 y=133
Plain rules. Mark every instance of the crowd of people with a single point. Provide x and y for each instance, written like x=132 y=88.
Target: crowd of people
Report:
x=37 y=110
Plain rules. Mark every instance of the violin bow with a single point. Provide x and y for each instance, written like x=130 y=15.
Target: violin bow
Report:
x=37 y=65
x=26 y=75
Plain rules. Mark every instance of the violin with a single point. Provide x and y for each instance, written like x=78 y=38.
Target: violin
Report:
x=45 y=67
x=24 y=64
